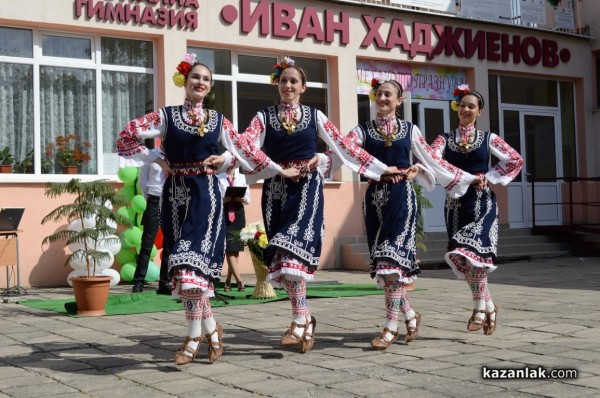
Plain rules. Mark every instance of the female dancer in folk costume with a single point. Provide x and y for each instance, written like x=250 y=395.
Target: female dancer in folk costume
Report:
x=292 y=197
x=472 y=220
x=390 y=205
x=191 y=203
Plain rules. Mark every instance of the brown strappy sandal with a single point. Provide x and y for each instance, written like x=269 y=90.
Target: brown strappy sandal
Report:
x=215 y=350
x=489 y=326
x=381 y=343
x=412 y=333
x=290 y=338
x=307 y=343
x=475 y=324
x=181 y=358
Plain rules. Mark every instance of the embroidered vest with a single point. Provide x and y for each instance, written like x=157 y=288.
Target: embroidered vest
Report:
x=182 y=142
x=399 y=153
x=299 y=145
x=477 y=158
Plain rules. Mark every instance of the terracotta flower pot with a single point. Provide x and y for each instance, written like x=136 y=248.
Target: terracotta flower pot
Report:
x=91 y=294
x=6 y=168
x=69 y=170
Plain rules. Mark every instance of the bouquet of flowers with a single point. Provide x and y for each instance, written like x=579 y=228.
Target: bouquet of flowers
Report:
x=255 y=239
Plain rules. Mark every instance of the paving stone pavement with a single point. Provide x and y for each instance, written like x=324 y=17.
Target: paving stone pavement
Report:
x=548 y=317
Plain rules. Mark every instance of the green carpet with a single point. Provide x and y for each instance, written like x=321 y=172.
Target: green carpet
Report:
x=149 y=301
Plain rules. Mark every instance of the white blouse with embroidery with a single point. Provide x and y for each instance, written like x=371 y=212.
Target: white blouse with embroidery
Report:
x=455 y=181
x=132 y=151
x=503 y=172
x=246 y=148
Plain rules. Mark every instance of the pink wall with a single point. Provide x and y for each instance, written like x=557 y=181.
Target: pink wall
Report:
x=44 y=265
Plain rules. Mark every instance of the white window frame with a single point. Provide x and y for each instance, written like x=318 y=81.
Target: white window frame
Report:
x=95 y=63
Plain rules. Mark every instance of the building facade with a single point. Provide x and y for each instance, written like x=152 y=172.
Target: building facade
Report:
x=86 y=67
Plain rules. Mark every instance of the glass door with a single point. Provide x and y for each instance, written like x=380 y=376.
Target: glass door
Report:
x=535 y=135
x=433 y=118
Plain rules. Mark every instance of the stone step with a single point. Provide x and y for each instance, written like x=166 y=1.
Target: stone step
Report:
x=513 y=244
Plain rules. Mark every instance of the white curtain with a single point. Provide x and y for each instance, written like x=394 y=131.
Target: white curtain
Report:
x=125 y=96
x=68 y=106
x=16 y=110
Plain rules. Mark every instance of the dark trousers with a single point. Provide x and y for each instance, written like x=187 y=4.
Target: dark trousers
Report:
x=151 y=222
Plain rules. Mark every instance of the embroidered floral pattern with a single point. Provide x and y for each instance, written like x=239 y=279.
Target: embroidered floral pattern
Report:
x=477 y=141
x=179 y=120
x=128 y=143
x=274 y=117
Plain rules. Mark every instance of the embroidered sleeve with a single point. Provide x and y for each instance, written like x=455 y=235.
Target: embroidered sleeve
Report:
x=245 y=147
x=132 y=151
x=455 y=181
x=230 y=162
x=438 y=146
x=344 y=151
x=509 y=165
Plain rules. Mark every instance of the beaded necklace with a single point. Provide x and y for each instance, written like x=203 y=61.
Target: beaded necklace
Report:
x=387 y=128
x=197 y=116
x=465 y=138
x=290 y=115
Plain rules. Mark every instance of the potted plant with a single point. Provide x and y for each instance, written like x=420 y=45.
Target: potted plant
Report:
x=25 y=165
x=69 y=152
x=92 y=209
x=6 y=160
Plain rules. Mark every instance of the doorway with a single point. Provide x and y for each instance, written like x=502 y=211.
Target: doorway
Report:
x=433 y=118
x=534 y=132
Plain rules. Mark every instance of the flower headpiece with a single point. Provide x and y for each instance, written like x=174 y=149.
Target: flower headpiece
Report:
x=458 y=93
x=375 y=83
x=183 y=69
x=278 y=69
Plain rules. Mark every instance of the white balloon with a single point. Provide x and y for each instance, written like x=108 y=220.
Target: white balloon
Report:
x=80 y=246
x=78 y=261
x=76 y=225
x=110 y=243
x=116 y=277
x=105 y=263
x=75 y=273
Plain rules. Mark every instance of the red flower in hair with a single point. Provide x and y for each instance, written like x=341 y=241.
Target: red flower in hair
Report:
x=374 y=82
x=184 y=68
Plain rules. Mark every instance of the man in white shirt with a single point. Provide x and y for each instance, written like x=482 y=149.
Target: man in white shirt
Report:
x=151 y=179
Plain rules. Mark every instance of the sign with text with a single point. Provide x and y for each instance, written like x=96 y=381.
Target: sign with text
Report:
x=422 y=81
x=533 y=11
x=491 y=10
x=564 y=17
x=439 y=5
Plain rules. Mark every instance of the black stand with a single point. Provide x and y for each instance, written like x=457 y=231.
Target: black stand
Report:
x=9 y=258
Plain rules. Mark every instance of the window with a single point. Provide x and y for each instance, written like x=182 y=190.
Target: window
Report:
x=80 y=78
x=242 y=87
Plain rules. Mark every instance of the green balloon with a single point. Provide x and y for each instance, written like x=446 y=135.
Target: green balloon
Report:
x=153 y=251
x=128 y=174
x=132 y=236
x=126 y=193
x=138 y=188
x=125 y=255
x=138 y=219
x=153 y=272
x=128 y=271
x=123 y=212
x=138 y=203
